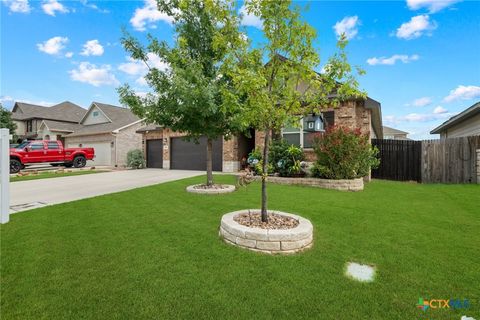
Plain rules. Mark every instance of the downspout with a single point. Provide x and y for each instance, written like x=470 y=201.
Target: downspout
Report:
x=115 y=148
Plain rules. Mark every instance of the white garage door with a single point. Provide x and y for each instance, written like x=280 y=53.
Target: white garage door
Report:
x=103 y=153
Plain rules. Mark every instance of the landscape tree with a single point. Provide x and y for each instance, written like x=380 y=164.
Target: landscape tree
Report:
x=193 y=94
x=6 y=120
x=276 y=93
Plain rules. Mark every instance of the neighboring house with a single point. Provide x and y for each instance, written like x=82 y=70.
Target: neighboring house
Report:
x=167 y=149
x=48 y=123
x=394 y=134
x=111 y=130
x=466 y=123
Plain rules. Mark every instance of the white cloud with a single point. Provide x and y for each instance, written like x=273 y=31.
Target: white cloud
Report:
x=418 y=117
x=69 y=54
x=249 y=19
x=147 y=15
x=92 y=48
x=463 y=93
x=431 y=5
x=96 y=76
x=53 y=46
x=93 y=6
x=51 y=6
x=416 y=27
x=348 y=26
x=392 y=60
x=439 y=110
x=139 y=68
x=20 y=6
x=420 y=102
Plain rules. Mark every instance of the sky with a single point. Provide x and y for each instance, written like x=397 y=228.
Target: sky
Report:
x=421 y=57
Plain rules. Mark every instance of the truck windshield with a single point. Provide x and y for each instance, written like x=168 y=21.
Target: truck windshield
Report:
x=22 y=145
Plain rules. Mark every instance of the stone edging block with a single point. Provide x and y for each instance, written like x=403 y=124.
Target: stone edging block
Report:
x=342 y=184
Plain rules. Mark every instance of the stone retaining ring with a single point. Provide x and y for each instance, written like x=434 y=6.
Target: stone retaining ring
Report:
x=272 y=241
x=227 y=188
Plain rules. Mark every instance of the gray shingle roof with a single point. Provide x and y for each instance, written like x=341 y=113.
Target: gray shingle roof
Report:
x=119 y=116
x=64 y=111
x=53 y=125
x=390 y=130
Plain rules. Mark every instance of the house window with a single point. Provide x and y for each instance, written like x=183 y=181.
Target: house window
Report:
x=95 y=113
x=303 y=135
x=29 y=126
x=52 y=145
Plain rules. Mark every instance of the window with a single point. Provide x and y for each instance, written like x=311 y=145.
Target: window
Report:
x=37 y=146
x=304 y=134
x=95 y=113
x=29 y=126
x=52 y=145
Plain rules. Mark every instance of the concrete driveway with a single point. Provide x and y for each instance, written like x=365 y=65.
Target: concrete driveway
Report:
x=26 y=195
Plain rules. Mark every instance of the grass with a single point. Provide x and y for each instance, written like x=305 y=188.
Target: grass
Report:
x=49 y=174
x=154 y=253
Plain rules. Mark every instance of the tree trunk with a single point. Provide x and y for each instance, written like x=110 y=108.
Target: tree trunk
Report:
x=209 y=162
x=264 y=175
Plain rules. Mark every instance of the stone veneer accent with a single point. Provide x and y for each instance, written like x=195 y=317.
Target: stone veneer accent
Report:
x=342 y=185
x=228 y=188
x=272 y=241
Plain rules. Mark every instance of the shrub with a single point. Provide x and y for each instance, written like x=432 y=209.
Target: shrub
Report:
x=135 y=159
x=286 y=158
x=343 y=154
x=255 y=161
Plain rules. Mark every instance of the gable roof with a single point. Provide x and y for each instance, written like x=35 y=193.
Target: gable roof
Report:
x=464 y=115
x=390 y=130
x=60 y=126
x=64 y=111
x=120 y=117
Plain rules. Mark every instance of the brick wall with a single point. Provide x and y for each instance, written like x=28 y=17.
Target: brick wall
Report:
x=126 y=140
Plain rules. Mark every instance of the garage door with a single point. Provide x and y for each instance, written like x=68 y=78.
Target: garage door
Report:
x=155 y=153
x=190 y=156
x=103 y=153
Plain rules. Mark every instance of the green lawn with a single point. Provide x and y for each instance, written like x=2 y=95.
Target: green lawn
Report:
x=49 y=174
x=154 y=253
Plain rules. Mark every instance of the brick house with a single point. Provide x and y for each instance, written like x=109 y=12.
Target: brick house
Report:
x=166 y=149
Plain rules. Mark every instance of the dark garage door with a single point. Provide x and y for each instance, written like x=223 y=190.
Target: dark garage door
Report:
x=190 y=156
x=155 y=153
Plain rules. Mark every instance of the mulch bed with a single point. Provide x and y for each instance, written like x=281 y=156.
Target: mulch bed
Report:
x=275 y=221
x=212 y=187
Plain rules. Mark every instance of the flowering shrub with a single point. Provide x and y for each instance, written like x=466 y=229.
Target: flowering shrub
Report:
x=286 y=159
x=343 y=154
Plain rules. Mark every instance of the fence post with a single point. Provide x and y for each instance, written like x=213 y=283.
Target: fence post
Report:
x=4 y=176
x=478 y=166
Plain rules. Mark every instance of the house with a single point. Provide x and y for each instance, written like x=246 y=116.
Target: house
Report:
x=394 y=134
x=48 y=123
x=466 y=123
x=167 y=149
x=111 y=130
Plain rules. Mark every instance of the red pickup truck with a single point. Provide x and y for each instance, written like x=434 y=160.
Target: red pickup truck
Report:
x=30 y=152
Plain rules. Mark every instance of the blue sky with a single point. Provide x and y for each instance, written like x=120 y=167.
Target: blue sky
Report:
x=422 y=57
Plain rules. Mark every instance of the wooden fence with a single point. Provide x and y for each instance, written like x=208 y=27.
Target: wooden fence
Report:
x=452 y=160
x=399 y=160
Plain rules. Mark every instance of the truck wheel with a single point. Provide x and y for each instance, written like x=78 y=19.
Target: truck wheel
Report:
x=79 y=162
x=15 y=166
